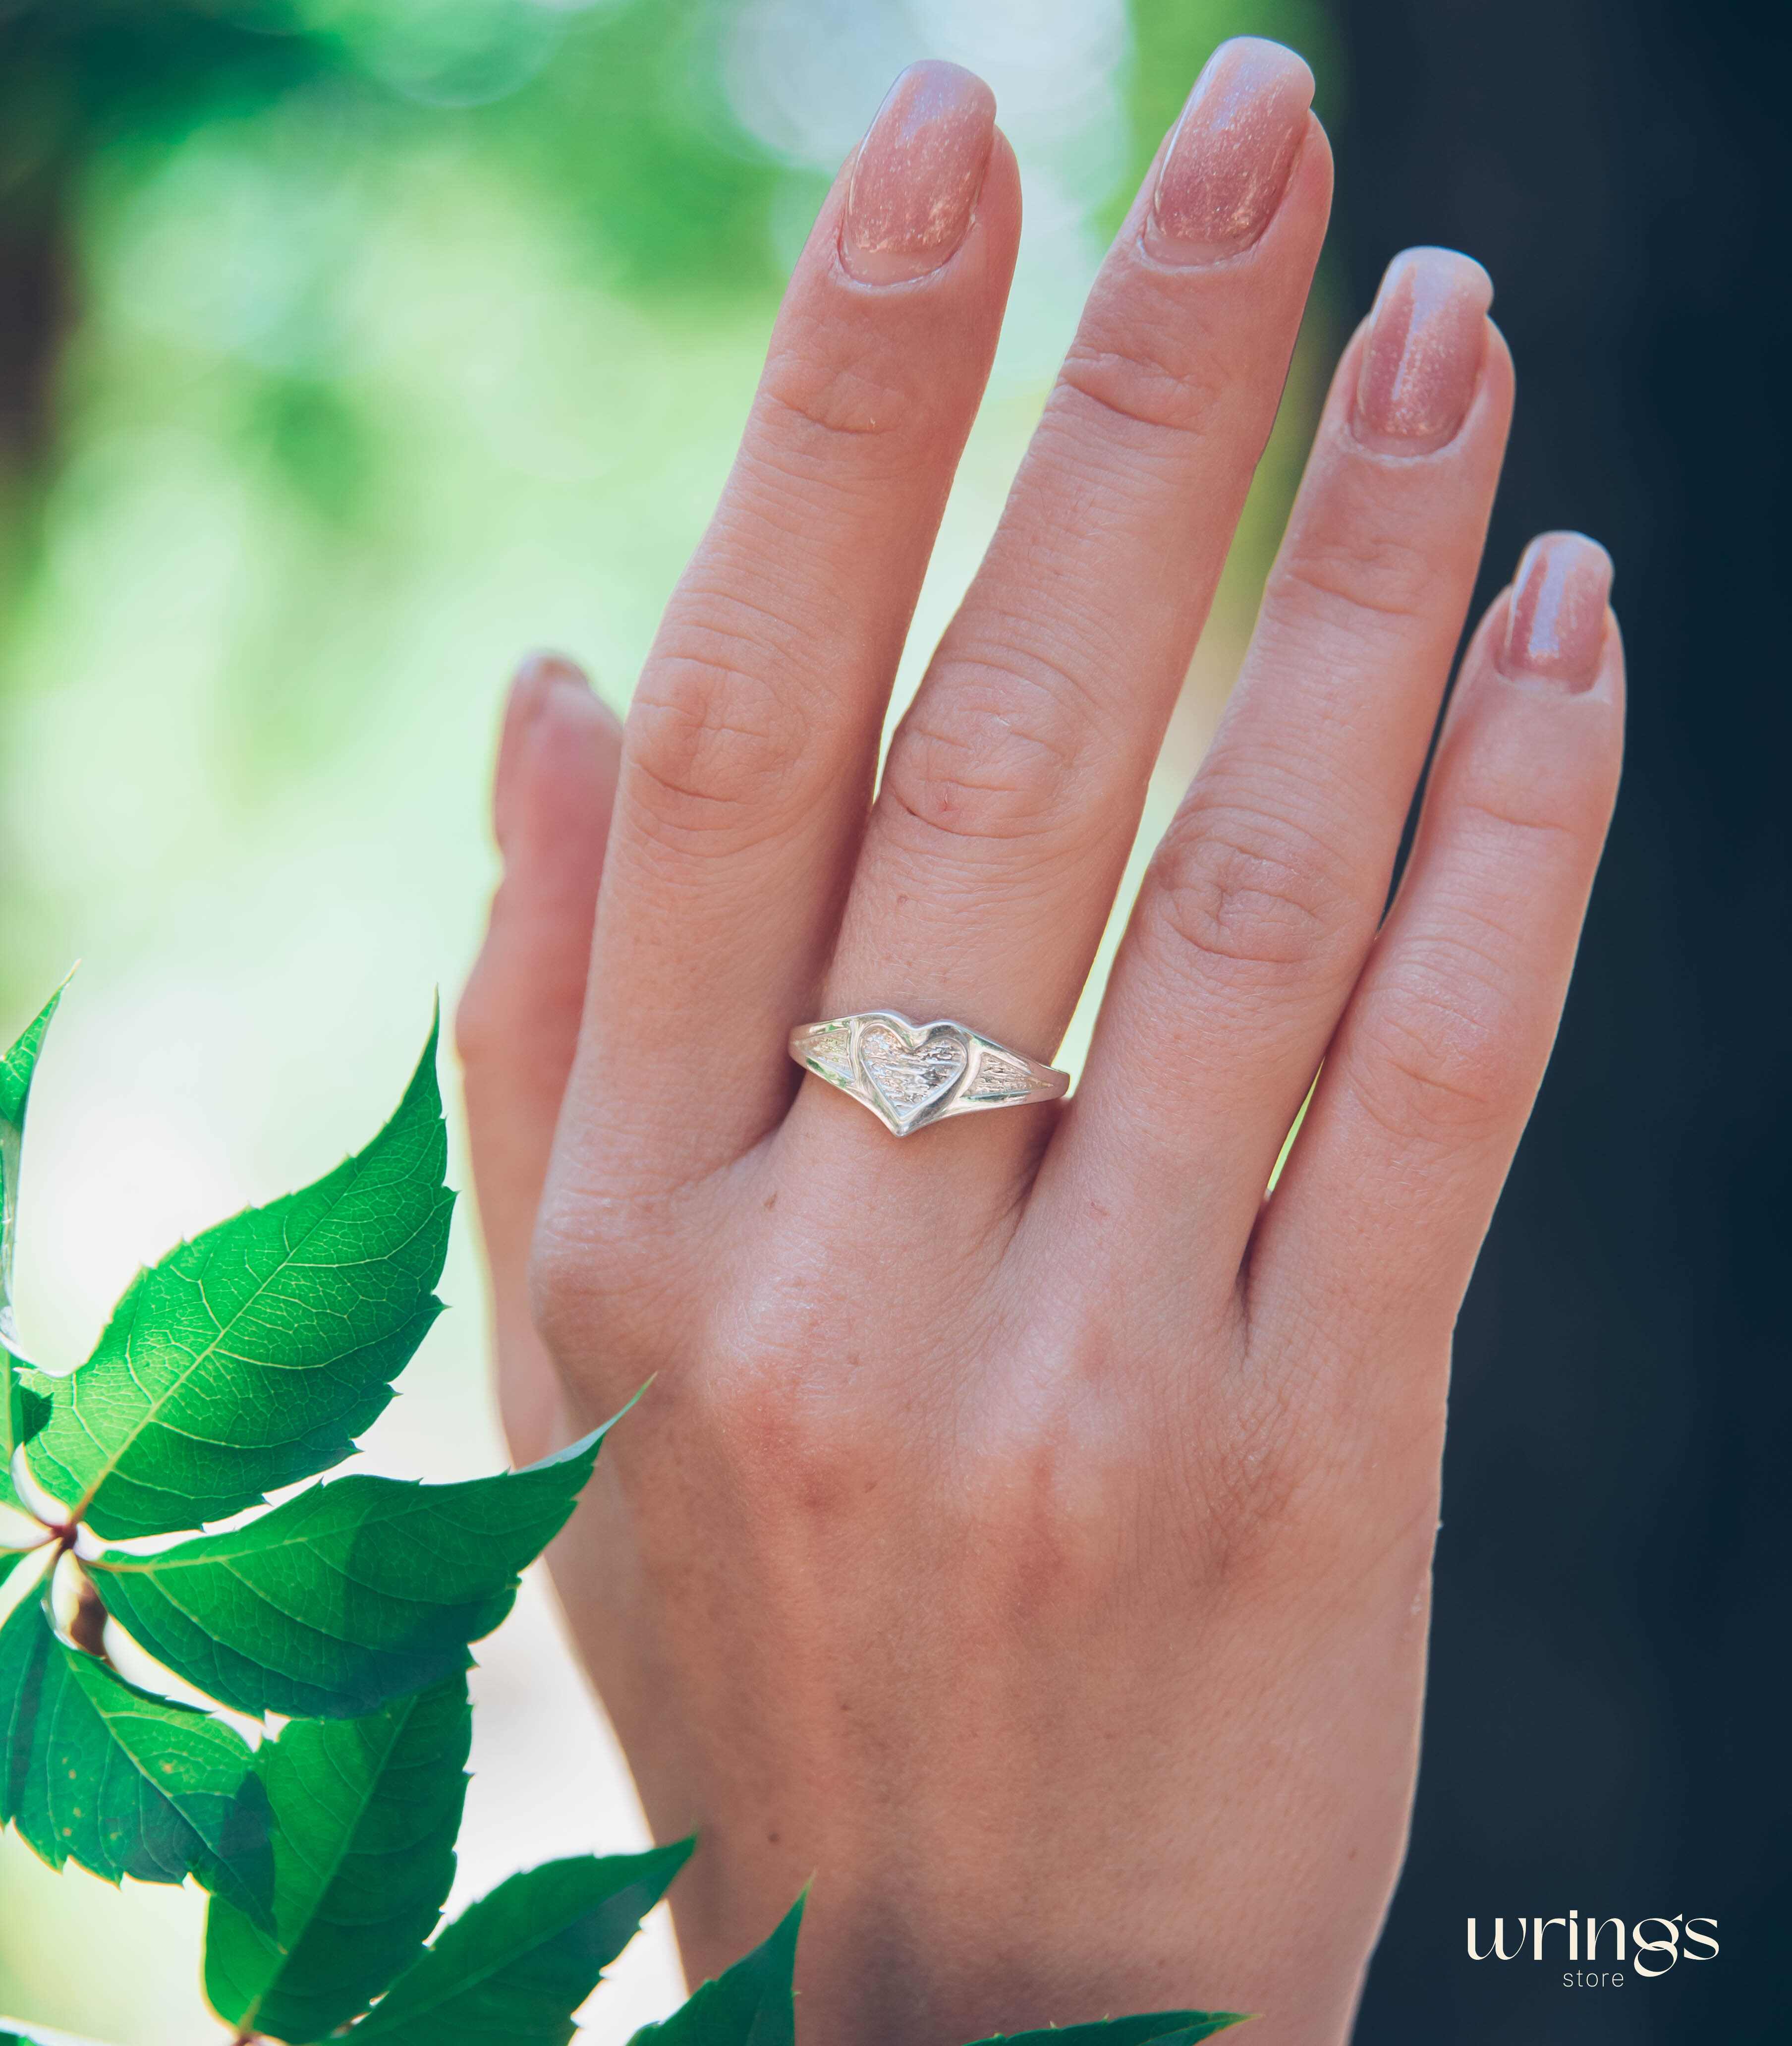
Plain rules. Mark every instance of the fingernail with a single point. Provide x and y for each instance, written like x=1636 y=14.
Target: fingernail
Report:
x=1427 y=338
x=917 y=175
x=533 y=687
x=1555 y=625
x=1227 y=166
x=535 y=679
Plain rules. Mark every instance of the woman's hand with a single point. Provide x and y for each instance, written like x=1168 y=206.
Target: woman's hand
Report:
x=1029 y=1529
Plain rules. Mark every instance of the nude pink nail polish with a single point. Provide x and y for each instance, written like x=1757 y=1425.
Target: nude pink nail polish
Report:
x=1228 y=163
x=1555 y=626
x=917 y=175
x=537 y=681
x=1427 y=339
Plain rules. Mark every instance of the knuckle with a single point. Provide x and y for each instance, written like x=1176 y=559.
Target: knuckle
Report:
x=599 y=1293
x=718 y=737
x=780 y=1398
x=1249 y=893
x=1051 y=1503
x=830 y=429
x=1002 y=749
x=1050 y=1495
x=783 y=1441
x=1439 y=1059
x=1516 y=821
x=1357 y=572
x=820 y=404
x=1160 y=383
x=566 y=1278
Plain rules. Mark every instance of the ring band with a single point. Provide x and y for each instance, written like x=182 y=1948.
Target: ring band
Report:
x=910 y=1074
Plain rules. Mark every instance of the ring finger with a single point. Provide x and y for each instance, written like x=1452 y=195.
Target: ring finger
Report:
x=1014 y=784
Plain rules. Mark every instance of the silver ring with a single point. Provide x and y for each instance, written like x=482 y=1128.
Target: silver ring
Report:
x=910 y=1074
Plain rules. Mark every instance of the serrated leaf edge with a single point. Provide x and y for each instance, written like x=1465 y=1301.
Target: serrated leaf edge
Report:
x=78 y=1509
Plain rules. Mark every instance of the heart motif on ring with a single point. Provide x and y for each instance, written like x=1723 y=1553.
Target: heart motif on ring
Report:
x=911 y=1069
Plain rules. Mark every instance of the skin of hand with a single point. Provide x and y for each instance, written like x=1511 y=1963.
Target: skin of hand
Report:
x=1028 y=1531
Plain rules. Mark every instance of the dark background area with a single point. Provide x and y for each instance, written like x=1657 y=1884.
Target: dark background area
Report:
x=1607 y=1721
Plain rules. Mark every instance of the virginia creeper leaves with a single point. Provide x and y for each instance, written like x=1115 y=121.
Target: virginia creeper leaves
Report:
x=1163 y=2028
x=751 y=2005
x=364 y=1813
x=23 y=1409
x=16 y=1069
x=349 y=1595
x=513 y=1968
x=93 y=1770
x=22 y=1412
x=254 y=1356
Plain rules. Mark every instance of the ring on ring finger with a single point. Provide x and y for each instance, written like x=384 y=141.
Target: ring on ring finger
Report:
x=910 y=1074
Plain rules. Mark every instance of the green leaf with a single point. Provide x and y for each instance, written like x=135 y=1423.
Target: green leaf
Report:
x=11 y=1558
x=254 y=1356
x=26 y=1408
x=20 y=1535
x=23 y=1413
x=513 y=1968
x=95 y=1771
x=752 y=2005
x=16 y=1069
x=1163 y=2028
x=351 y=1594
x=365 y=1815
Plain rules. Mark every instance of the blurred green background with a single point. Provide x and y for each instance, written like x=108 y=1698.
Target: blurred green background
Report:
x=348 y=349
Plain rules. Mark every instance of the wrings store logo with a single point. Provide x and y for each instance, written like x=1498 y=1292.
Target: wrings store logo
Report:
x=1650 y=1947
